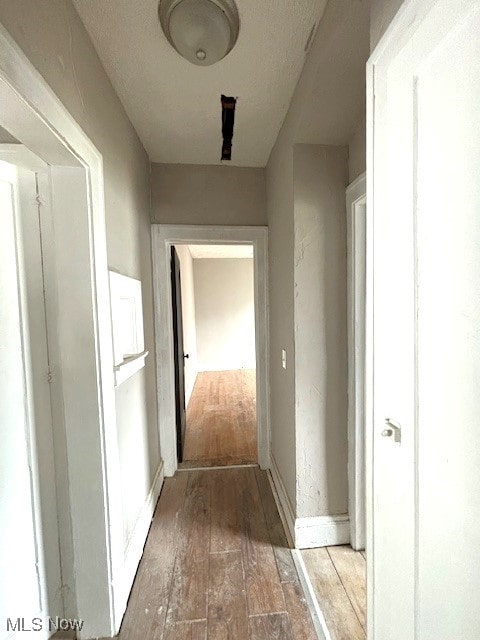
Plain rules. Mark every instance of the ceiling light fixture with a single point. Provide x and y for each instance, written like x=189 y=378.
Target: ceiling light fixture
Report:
x=202 y=31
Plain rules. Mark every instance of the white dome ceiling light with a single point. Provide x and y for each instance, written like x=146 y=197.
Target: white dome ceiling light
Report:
x=202 y=31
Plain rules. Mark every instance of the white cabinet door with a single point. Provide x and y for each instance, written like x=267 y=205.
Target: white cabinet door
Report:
x=425 y=189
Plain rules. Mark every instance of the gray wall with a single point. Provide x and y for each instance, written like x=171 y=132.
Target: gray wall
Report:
x=344 y=23
x=281 y=293
x=357 y=151
x=320 y=179
x=382 y=13
x=54 y=39
x=6 y=138
x=196 y=194
x=224 y=313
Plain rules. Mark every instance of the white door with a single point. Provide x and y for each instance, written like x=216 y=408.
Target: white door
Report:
x=30 y=584
x=424 y=508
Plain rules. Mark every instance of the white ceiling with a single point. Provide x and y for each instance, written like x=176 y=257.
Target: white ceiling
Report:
x=175 y=105
x=199 y=251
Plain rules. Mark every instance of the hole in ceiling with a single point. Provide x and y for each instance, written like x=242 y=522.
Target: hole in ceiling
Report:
x=228 y=122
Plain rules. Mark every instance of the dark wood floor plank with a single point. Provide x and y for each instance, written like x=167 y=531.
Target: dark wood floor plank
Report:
x=147 y=605
x=195 y=630
x=283 y=554
x=298 y=612
x=264 y=589
x=188 y=599
x=227 y=604
x=351 y=568
x=340 y=617
x=184 y=592
x=273 y=626
x=226 y=523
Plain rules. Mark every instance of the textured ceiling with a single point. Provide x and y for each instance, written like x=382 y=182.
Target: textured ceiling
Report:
x=174 y=105
x=199 y=251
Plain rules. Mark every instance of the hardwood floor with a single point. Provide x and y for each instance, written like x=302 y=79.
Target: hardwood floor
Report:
x=216 y=565
x=221 y=420
x=338 y=576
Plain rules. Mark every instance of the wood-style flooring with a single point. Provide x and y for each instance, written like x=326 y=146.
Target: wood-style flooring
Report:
x=221 y=420
x=216 y=565
x=338 y=576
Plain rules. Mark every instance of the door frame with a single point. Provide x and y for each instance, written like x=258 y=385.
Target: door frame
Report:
x=38 y=399
x=357 y=294
x=163 y=237
x=179 y=354
x=84 y=418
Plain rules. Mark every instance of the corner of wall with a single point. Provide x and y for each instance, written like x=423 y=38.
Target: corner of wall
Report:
x=357 y=151
x=320 y=324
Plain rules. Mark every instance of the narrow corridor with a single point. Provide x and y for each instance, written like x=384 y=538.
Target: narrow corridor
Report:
x=217 y=564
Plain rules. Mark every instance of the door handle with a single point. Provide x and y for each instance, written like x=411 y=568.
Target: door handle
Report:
x=186 y=355
x=393 y=429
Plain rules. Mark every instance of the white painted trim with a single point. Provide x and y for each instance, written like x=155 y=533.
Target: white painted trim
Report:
x=369 y=525
x=217 y=467
x=283 y=501
x=322 y=531
x=318 y=618
x=138 y=536
x=307 y=533
x=310 y=597
x=356 y=295
x=163 y=237
x=129 y=367
x=19 y=155
x=124 y=288
x=33 y=114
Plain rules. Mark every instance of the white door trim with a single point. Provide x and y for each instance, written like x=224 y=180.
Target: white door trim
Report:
x=163 y=237
x=33 y=114
x=356 y=297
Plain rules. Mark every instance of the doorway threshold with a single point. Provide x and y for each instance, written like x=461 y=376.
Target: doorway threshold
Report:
x=185 y=466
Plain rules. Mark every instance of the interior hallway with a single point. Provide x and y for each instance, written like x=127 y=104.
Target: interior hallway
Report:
x=217 y=564
x=221 y=419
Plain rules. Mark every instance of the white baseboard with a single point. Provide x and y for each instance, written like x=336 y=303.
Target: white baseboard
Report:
x=285 y=508
x=286 y=514
x=317 y=614
x=322 y=531
x=137 y=539
x=308 y=533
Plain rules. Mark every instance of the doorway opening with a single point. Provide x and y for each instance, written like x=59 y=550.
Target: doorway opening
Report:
x=249 y=375
x=30 y=531
x=213 y=306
